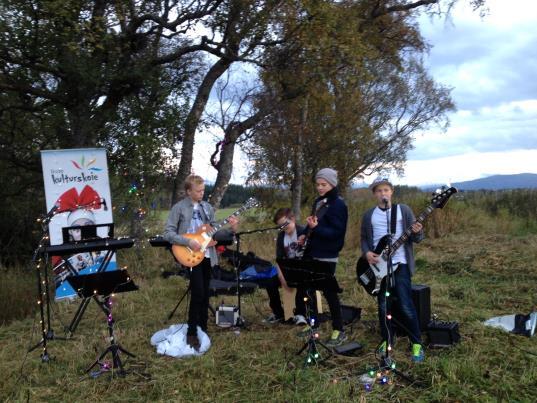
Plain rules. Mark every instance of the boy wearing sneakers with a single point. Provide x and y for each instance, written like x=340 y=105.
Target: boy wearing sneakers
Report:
x=374 y=227
x=288 y=243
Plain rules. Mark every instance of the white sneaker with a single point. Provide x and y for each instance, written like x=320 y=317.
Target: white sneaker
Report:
x=299 y=320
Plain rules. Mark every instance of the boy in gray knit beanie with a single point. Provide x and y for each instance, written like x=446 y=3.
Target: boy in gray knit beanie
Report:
x=329 y=175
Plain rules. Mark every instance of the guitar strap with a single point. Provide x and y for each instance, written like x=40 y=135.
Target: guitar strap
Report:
x=206 y=218
x=393 y=219
x=322 y=211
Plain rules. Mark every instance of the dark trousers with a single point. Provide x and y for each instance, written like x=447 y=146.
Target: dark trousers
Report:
x=402 y=292
x=200 y=276
x=332 y=297
x=275 y=301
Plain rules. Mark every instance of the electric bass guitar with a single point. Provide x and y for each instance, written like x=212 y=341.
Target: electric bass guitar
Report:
x=190 y=258
x=370 y=276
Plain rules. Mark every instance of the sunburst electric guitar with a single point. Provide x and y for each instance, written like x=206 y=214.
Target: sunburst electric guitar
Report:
x=371 y=276
x=190 y=258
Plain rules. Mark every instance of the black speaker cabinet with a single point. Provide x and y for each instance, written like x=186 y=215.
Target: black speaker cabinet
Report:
x=421 y=296
x=443 y=334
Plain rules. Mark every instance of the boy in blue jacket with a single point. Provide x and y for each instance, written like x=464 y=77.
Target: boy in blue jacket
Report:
x=327 y=228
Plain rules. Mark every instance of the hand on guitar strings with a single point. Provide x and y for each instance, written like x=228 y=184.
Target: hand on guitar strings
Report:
x=194 y=245
x=301 y=239
x=233 y=223
x=416 y=227
x=372 y=257
x=312 y=221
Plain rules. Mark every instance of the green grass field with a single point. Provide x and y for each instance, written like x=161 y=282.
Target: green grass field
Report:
x=473 y=275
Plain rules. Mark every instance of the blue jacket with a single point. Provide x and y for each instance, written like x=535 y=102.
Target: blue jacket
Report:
x=328 y=237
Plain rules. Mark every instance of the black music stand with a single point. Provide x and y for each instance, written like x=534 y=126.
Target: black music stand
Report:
x=311 y=275
x=110 y=250
x=105 y=284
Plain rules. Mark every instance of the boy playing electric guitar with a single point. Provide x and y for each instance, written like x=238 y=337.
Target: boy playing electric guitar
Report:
x=185 y=217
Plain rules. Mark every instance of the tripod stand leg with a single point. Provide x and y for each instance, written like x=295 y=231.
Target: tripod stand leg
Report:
x=170 y=315
x=303 y=348
x=125 y=351
x=325 y=347
x=116 y=359
x=97 y=361
x=78 y=316
x=43 y=342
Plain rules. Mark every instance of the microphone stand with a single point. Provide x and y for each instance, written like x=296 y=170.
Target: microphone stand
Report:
x=236 y=264
x=390 y=284
x=386 y=363
x=40 y=258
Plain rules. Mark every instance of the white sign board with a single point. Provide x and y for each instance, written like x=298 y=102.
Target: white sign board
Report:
x=77 y=189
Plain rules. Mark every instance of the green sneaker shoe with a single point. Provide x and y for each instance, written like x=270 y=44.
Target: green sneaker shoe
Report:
x=418 y=353
x=337 y=338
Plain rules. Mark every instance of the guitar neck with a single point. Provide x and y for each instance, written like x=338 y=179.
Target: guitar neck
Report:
x=225 y=221
x=408 y=232
x=314 y=211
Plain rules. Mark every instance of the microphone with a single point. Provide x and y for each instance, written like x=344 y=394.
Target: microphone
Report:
x=385 y=200
x=285 y=224
x=52 y=210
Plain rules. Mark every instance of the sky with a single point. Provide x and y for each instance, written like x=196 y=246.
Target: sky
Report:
x=490 y=63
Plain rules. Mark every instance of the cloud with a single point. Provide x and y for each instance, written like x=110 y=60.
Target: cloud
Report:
x=468 y=166
x=487 y=61
x=491 y=64
x=503 y=127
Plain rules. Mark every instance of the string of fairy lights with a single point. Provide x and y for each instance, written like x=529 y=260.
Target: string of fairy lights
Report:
x=375 y=375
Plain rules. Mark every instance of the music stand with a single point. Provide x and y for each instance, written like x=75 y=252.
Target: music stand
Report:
x=105 y=284
x=311 y=275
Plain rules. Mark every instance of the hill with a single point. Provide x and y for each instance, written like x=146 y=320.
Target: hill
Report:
x=497 y=182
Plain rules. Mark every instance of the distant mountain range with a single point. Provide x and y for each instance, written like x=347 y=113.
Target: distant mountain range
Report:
x=496 y=182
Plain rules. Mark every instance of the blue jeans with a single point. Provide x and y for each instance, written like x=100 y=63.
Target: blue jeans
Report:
x=402 y=291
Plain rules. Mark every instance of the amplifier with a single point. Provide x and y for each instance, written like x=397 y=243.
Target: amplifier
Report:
x=443 y=334
x=348 y=349
x=227 y=315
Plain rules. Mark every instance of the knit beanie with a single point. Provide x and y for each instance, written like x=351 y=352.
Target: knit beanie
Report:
x=329 y=175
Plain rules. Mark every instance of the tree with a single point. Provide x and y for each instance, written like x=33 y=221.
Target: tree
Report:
x=246 y=28
x=362 y=93
x=70 y=69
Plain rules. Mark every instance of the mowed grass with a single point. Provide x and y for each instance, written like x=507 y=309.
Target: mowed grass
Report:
x=473 y=275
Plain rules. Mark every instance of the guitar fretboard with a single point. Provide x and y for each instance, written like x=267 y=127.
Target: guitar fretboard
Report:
x=220 y=224
x=408 y=232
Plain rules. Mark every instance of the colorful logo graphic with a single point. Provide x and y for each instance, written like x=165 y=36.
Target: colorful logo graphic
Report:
x=85 y=165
